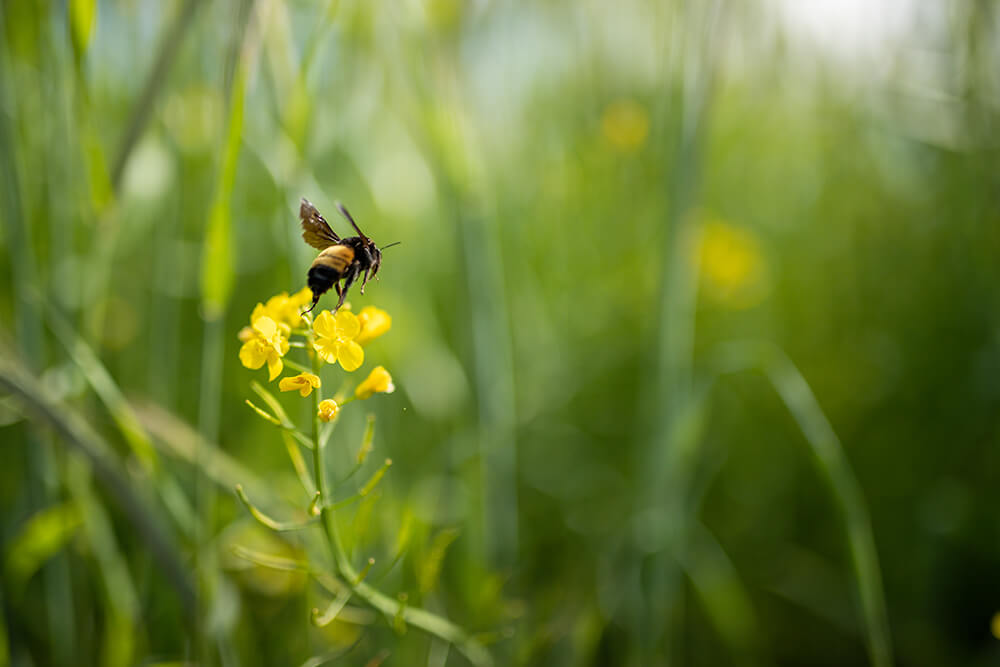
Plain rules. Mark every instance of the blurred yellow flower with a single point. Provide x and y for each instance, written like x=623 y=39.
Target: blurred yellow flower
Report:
x=328 y=409
x=266 y=343
x=732 y=265
x=625 y=125
x=284 y=309
x=304 y=383
x=378 y=381
x=335 y=339
x=374 y=322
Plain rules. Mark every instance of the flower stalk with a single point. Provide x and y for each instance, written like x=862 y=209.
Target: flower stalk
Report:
x=390 y=608
x=331 y=339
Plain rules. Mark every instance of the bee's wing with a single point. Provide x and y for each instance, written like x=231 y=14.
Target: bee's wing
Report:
x=315 y=229
x=343 y=212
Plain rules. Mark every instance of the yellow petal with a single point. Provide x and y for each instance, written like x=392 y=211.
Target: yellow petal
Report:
x=327 y=349
x=290 y=383
x=286 y=309
x=277 y=302
x=274 y=366
x=350 y=355
x=324 y=325
x=251 y=355
x=302 y=383
x=302 y=297
x=374 y=322
x=265 y=326
x=378 y=380
x=258 y=312
x=347 y=324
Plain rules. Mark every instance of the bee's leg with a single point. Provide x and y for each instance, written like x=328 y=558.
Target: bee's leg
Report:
x=340 y=294
x=340 y=301
x=364 y=281
x=316 y=297
x=349 y=277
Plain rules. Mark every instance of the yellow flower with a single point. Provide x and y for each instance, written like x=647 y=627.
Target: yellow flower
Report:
x=284 y=309
x=304 y=383
x=265 y=344
x=732 y=265
x=625 y=125
x=335 y=339
x=328 y=409
x=296 y=303
x=378 y=381
x=374 y=322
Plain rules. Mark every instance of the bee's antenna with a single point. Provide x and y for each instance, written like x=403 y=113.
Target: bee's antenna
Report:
x=389 y=245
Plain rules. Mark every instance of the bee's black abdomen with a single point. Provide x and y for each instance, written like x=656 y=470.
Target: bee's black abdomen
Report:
x=321 y=278
x=324 y=273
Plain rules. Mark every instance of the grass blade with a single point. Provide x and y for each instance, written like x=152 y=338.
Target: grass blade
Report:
x=798 y=397
x=77 y=433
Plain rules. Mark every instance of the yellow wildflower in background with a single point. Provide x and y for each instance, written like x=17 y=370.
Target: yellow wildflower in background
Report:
x=374 y=322
x=304 y=383
x=265 y=344
x=328 y=409
x=625 y=125
x=335 y=339
x=732 y=265
x=378 y=381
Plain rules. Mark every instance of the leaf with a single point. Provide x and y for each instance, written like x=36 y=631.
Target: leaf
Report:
x=268 y=560
x=43 y=536
x=82 y=17
x=430 y=569
x=217 y=259
x=107 y=389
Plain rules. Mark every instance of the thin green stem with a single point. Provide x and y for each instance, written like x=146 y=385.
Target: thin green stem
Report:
x=264 y=519
x=425 y=620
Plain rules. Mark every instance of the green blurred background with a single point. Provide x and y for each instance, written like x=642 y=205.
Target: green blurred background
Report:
x=696 y=328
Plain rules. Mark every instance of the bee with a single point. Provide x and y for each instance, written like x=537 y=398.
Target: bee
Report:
x=339 y=259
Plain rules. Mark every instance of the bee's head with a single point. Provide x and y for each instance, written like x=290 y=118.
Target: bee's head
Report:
x=376 y=259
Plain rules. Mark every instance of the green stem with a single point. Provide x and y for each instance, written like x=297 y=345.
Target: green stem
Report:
x=420 y=618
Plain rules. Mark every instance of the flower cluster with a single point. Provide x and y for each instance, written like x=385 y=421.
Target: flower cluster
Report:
x=333 y=338
x=278 y=330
